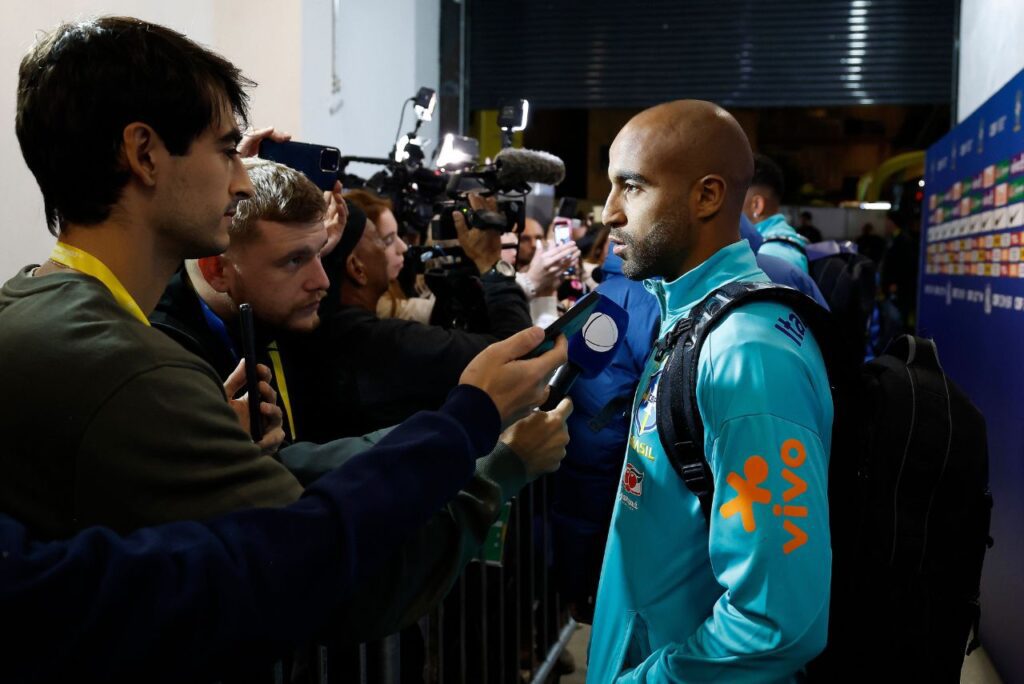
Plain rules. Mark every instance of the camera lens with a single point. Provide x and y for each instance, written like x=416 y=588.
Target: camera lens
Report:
x=329 y=159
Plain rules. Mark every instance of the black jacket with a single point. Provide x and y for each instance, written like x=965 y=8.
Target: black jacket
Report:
x=362 y=373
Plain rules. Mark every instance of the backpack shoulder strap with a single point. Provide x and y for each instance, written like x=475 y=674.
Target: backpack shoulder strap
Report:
x=680 y=427
x=789 y=240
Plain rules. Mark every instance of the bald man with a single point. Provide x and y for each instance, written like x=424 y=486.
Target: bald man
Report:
x=742 y=596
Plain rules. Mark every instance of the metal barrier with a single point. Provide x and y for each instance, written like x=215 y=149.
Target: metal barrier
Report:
x=502 y=623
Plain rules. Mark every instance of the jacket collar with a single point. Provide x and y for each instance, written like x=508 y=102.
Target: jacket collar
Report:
x=776 y=225
x=729 y=264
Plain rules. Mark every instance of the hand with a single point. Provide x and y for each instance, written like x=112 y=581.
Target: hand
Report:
x=335 y=217
x=515 y=386
x=273 y=418
x=250 y=144
x=549 y=264
x=482 y=246
x=539 y=439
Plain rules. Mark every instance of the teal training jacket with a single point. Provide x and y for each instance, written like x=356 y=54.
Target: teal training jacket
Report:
x=776 y=226
x=748 y=600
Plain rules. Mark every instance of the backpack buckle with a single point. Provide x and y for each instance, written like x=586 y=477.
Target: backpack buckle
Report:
x=665 y=344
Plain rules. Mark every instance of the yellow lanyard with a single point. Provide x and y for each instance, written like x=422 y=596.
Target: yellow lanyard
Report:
x=282 y=385
x=86 y=263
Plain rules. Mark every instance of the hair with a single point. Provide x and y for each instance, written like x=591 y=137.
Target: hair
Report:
x=280 y=194
x=768 y=174
x=806 y=214
x=373 y=204
x=81 y=84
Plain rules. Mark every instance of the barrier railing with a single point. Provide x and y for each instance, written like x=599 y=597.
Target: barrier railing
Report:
x=502 y=623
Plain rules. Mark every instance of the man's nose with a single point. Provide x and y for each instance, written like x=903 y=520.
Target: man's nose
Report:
x=612 y=215
x=241 y=186
x=318 y=278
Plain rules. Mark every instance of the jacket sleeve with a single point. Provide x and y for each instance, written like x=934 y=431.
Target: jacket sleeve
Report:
x=308 y=464
x=414 y=580
x=507 y=307
x=244 y=586
x=767 y=413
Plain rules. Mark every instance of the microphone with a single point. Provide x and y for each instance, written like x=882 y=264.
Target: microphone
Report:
x=591 y=349
x=518 y=168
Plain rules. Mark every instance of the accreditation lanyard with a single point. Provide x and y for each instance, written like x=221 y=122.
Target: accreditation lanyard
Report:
x=282 y=385
x=83 y=262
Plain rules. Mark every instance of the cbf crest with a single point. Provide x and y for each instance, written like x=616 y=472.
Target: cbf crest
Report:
x=645 y=420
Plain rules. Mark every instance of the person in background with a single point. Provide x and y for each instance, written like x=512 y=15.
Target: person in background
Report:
x=900 y=265
x=761 y=207
x=594 y=248
x=869 y=244
x=394 y=303
x=543 y=273
x=807 y=227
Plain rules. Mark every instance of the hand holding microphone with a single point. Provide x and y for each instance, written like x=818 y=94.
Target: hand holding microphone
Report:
x=592 y=345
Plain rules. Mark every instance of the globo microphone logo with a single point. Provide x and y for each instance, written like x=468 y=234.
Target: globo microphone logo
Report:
x=600 y=332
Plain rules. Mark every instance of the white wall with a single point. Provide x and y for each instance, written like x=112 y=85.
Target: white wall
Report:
x=386 y=51
x=991 y=50
x=23 y=235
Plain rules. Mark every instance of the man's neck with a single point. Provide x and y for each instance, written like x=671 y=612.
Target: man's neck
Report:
x=132 y=254
x=219 y=302
x=362 y=297
x=715 y=236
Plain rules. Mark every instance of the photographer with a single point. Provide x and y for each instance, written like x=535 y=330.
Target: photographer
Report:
x=382 y=371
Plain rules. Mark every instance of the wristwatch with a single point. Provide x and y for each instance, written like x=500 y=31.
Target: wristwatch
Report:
x=502 y=268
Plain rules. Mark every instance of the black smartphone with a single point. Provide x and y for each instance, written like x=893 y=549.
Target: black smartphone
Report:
x=319 y=163
x=252 y=375
x=568 y=324
x=567 y=207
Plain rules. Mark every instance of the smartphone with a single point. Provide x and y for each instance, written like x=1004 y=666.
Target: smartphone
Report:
x=252 y=376
x=567 y=207
x=562 y=230
x=319 y=163
x=568 y=324
x=563 y=234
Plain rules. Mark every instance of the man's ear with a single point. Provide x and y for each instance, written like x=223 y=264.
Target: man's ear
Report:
x=710 y=196
x=213 y=270
x=355 y=270
x=142 y=149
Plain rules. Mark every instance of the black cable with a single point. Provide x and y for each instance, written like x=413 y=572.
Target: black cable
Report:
x=401 y=119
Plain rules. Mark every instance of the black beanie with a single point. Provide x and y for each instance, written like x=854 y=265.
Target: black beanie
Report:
x=334 y=263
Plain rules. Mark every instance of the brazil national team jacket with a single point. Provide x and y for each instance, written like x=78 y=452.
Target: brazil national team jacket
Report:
x=748 y=600
x=772 y=230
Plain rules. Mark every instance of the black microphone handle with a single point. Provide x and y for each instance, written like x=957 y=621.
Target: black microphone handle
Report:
x=560 y=385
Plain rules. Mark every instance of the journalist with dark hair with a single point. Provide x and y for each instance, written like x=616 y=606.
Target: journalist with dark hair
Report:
x=141 y=431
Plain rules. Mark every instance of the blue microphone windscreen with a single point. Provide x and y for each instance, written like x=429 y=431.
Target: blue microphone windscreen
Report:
x=594 y=346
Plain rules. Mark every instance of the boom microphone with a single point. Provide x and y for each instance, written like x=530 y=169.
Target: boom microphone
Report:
x=591 y=350
x=516 y=169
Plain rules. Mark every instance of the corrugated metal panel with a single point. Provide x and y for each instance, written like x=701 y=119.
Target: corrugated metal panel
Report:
x=622 y=53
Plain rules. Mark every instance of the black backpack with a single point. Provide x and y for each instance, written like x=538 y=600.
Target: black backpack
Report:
x=847 y=283
x=909 y=502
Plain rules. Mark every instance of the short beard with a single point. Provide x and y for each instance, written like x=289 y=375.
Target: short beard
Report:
x=656 y=255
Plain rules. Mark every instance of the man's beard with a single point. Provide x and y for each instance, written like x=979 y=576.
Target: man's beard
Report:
x=653 y=256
